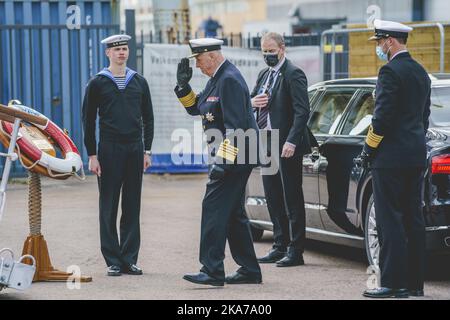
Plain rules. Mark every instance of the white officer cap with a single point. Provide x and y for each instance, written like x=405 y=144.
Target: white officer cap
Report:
x=386 y=29
x=116 y=40
x=202 y=45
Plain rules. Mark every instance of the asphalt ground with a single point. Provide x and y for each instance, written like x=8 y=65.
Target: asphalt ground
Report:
x=170 y=230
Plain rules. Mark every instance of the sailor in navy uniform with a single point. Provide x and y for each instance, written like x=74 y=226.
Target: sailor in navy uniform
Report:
x=396 y=151
x=121 y=98
x=223 y=105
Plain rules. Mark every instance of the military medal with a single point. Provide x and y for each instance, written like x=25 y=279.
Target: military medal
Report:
x=209 y=116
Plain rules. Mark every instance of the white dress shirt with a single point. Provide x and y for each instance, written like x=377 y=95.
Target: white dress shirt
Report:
x=215 y=72
x=275 y=69
x=401 y=51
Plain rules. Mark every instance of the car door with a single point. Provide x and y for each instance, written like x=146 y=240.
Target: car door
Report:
x=310 y=186
x=326 y=111
x=338 y=176
x=256 y=205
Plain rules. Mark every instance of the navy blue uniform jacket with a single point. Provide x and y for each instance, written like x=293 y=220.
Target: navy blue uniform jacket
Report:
x=224 y=105
x=400 y=119
x=125 y=115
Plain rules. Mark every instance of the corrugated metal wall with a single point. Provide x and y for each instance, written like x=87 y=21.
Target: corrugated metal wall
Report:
x=44 y=64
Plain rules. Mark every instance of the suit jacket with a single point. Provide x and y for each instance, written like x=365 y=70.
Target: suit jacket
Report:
x=224 y=105
x=402 y=108
x=289 y=107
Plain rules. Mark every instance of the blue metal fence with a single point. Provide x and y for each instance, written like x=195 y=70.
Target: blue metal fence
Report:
x=46 y=65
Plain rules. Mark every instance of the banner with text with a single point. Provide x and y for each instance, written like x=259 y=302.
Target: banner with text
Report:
x=179 y=144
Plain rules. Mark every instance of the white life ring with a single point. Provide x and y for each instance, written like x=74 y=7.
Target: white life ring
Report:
x=71 y=163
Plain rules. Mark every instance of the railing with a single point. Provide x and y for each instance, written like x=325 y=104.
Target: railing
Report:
x=335 y=32
x=238 y=40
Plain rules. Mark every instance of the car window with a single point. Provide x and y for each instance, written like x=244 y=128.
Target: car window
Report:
x=440 y=106
x=311 y=94
x=329 y=109
x=360 y=117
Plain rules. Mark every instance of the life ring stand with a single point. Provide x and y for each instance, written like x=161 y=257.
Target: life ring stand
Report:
x=35 y=244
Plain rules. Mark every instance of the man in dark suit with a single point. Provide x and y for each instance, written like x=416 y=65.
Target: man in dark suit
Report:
x=226 y=112
x=396 y=151
x=281 y=104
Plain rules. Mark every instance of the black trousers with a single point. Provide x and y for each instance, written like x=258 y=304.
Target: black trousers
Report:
x=400 y=226
x=224 y=218
x=122 y=169
x=286 y=205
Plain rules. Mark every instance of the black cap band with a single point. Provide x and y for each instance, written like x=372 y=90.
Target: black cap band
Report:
x=117 y=44
x=380 y=33
x=205 y=49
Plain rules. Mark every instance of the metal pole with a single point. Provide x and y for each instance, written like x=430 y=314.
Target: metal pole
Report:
x=442 y=51
x=322 y=55
x=142 y=51
x=7 y=168
x=130 y=29
x=333 y=57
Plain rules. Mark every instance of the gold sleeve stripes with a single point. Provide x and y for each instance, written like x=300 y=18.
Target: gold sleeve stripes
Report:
x=188 y=100
x=373 y=140
x=227 y=151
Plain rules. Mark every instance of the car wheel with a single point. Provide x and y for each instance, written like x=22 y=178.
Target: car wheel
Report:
x=257 y=233
x=371 y=234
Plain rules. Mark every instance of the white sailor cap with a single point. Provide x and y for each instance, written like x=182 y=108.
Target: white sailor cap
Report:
x=116 y=40
x=386 y=29
x=204 y=45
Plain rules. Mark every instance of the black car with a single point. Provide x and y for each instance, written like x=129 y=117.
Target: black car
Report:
x=338 y=195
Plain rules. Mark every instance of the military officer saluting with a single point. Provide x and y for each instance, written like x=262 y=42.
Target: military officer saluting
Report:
x=396 y=151
x=121 y=98
x=223 y=105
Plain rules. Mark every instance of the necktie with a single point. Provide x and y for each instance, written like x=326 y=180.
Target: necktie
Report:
x=264 y=112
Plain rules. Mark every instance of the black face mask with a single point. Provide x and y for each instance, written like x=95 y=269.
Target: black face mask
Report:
x=271 y=59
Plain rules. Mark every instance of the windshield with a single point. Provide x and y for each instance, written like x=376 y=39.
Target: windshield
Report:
x=440 y=106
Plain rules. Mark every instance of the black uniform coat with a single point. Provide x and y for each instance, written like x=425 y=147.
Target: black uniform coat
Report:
x=401 y=114
x=224 y=105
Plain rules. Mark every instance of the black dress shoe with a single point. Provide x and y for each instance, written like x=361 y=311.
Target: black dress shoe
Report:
x=293 y=258
x=203 y=278
x=273 y=256
x=114 y=271
x=416 y=293
x=239 y=278
x=133 y=270
x=384 y=292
